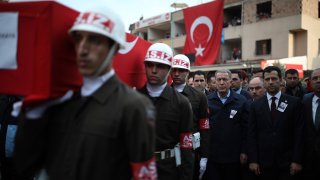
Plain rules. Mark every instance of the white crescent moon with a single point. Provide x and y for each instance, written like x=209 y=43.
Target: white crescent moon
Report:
x=128 y=47
x=201 y=20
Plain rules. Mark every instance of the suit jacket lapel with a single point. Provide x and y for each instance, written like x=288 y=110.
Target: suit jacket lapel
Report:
x=309 y=112
x=278 y=113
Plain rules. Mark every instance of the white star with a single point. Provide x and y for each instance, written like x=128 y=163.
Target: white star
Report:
x=199 y=50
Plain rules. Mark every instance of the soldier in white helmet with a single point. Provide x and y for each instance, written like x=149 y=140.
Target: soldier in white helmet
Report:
x=174 y=117
x=179 y=73
x=106 y=131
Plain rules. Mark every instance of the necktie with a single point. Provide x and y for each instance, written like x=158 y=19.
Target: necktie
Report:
x=273 y=108
x=317 y=117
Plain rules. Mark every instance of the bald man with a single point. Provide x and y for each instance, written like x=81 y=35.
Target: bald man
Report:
x=256 y=88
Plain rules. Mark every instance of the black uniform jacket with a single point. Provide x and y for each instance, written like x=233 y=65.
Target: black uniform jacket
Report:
x=275 y=143
x=95 y=138
x=199 y=105
x=228 y=127
x=174 y=116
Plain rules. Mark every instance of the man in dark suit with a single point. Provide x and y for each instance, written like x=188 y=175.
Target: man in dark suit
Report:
x=311 y=115
x=199 y=81
x=256 y=88
x=275 y=136
x=236 y=84
x=228 y=114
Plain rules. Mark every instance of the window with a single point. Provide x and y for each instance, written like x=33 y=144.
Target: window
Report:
x=263 y=47
x=264 y=10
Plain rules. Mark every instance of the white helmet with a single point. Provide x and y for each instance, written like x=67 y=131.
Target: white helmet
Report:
x=160 y=53
x=101 y=20
x=181 y=61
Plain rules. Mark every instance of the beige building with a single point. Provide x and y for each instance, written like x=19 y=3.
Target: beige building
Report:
x=254 y=31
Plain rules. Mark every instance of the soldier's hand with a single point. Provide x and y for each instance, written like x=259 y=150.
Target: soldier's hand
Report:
x=203 y=166
x=295 y=168
x=243 y=158
x=254 y=167
x=37 y=111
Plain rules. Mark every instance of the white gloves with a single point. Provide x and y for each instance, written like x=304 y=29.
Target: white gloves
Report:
x=37 y=112
x=42 y=175
x=203 y=166
x=16 y=108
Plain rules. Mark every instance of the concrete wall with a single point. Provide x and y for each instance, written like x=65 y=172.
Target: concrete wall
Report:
x=227 y=2
x=154 y=34
x=283 y=8
x=294 y=30
x=310 y=7
x=280 y=8
x=275 y=29
x=300 y=43
x=313 y=27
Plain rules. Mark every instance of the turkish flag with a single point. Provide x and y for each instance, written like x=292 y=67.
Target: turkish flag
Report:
x=204 y=26
x=128 y=63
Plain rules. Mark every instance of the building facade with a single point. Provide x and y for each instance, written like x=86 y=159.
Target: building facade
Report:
x=254 y=31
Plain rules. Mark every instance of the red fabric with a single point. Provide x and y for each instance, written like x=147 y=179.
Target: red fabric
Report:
x=204 y=124
x=186 y=141
x=45 y=54
x=144 y=170
x=129 y=66
x=297 y=67
x=198 y=20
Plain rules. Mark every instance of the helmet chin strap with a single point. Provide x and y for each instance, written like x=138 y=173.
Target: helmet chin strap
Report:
x=107 y=60
x=166 y=77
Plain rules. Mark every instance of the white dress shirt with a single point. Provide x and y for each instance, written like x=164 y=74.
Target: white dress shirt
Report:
x=270 y=99
x=223 y=99
x=155 y=91
x=179 y=87
x=91 y=84
x=315 y=105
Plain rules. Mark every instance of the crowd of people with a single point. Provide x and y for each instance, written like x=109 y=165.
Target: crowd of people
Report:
x=216 y=126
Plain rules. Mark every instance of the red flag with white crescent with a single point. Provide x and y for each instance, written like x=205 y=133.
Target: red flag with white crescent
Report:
x=128 y=63
x=204 y=26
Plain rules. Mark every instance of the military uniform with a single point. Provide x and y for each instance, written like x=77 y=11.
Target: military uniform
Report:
x=108 y=135
x=8 y=127
x=199 y=105
x=173 y=124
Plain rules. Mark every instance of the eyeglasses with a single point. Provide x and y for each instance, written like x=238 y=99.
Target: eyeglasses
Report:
x=199 y=80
